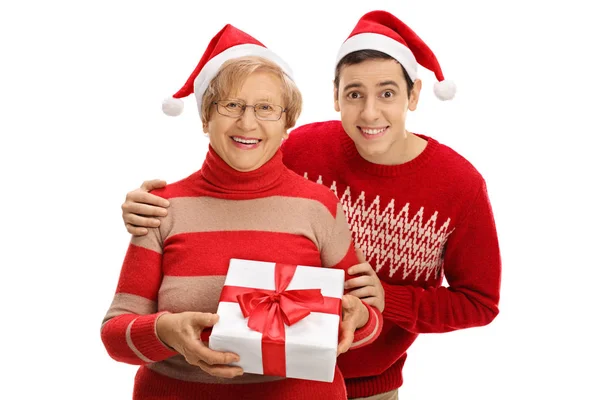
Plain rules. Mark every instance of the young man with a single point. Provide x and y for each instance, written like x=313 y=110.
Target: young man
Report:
x=418 y=210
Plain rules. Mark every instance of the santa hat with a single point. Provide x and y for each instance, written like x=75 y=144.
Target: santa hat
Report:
x=382 y=31
x=229 y=43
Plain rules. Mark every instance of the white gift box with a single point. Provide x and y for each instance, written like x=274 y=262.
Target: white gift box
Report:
x=310 y=344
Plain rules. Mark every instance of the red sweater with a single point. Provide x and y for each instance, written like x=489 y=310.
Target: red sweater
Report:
x=416 y=223
x=216 y=214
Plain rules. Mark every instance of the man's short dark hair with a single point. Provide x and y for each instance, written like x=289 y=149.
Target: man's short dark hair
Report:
x=356 y=57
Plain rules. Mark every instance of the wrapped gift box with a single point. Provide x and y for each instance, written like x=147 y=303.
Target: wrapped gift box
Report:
x=281 y=319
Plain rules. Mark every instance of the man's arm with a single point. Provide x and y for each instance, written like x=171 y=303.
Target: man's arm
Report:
x=472 y=268
x=361 y=322
x=141 y=206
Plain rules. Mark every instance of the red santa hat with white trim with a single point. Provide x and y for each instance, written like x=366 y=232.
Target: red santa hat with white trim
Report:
x=229 y=43
x=382 y=31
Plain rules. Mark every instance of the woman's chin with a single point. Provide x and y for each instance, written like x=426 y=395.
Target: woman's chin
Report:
x=244 y=165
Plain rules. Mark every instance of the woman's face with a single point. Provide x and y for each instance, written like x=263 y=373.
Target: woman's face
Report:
x=246 y=143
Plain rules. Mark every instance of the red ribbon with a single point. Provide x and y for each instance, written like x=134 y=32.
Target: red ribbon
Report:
x=268 y=310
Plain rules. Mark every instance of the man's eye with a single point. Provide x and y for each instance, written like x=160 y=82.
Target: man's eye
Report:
x=354 y=95
x=388 y=93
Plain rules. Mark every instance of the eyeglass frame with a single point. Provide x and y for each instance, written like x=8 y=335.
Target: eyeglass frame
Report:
x=244 y=106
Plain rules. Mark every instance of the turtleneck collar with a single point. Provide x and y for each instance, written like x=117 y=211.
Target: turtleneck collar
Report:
x=225 y=179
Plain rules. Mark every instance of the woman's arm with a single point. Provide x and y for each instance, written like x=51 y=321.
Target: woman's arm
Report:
x=361 y=323
x=134 y=332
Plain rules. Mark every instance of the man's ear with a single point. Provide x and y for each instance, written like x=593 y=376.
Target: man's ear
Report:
x=336 y=102
x=413 y=100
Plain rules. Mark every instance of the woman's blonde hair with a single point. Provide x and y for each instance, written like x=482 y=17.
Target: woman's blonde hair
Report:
x=233 y=73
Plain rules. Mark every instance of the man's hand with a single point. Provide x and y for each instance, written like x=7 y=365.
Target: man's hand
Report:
x=354 y=315
x=181 y=332
x=140 y=206
x=367 y=285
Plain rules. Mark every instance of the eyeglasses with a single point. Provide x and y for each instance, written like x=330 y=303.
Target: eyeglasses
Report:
x=262 y=111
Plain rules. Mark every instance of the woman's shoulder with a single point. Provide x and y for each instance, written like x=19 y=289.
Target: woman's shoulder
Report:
x=186 y=187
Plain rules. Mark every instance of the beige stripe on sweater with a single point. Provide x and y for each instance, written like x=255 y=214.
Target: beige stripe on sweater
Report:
x=272 y=214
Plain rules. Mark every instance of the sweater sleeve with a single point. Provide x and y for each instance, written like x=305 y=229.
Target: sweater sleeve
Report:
x=129 y=328
x=472 y=268
x=338 y=251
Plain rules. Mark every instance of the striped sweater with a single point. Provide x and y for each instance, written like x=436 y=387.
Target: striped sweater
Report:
x=217 y=213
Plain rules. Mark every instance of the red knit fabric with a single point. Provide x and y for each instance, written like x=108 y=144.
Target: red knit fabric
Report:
x=150 y=385
x=417 y=223
x=216 y=214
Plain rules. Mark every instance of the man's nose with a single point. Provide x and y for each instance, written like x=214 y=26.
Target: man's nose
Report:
x=370 y=111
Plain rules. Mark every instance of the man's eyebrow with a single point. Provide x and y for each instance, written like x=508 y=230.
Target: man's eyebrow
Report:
x=353 y=86
x=388 y=83
x=380 y=84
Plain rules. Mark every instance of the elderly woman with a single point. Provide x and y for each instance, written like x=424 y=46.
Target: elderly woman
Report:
x=243 y=203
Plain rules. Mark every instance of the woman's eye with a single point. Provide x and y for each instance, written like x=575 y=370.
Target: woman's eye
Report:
x=233 y=106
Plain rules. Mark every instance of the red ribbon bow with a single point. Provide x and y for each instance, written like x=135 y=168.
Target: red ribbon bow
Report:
x=268 y=311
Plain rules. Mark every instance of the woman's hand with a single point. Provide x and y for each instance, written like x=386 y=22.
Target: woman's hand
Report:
x=354 y=316
x=367 y=285
x=181 y=332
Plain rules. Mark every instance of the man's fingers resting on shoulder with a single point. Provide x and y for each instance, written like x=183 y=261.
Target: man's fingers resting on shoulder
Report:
x=143 y=209
x=136 y=230
x=140 y=196
x=153 y=184
x=137 y=220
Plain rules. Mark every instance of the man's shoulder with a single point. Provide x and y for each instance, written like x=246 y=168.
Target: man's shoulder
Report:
x=311 y=145
x=305 y=188
x=320 y=126
x=454 y=162
x=316 y=131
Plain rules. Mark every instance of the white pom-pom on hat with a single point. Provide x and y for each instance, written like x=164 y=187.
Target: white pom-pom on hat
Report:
x=444 y=90
x=172 y=106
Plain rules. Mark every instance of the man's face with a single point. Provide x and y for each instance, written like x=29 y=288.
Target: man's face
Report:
x=373 y=101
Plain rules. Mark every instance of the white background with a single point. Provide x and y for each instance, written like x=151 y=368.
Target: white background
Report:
x=81 y=85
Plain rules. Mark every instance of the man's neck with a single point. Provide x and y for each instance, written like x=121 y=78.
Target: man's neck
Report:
x=404 y=151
